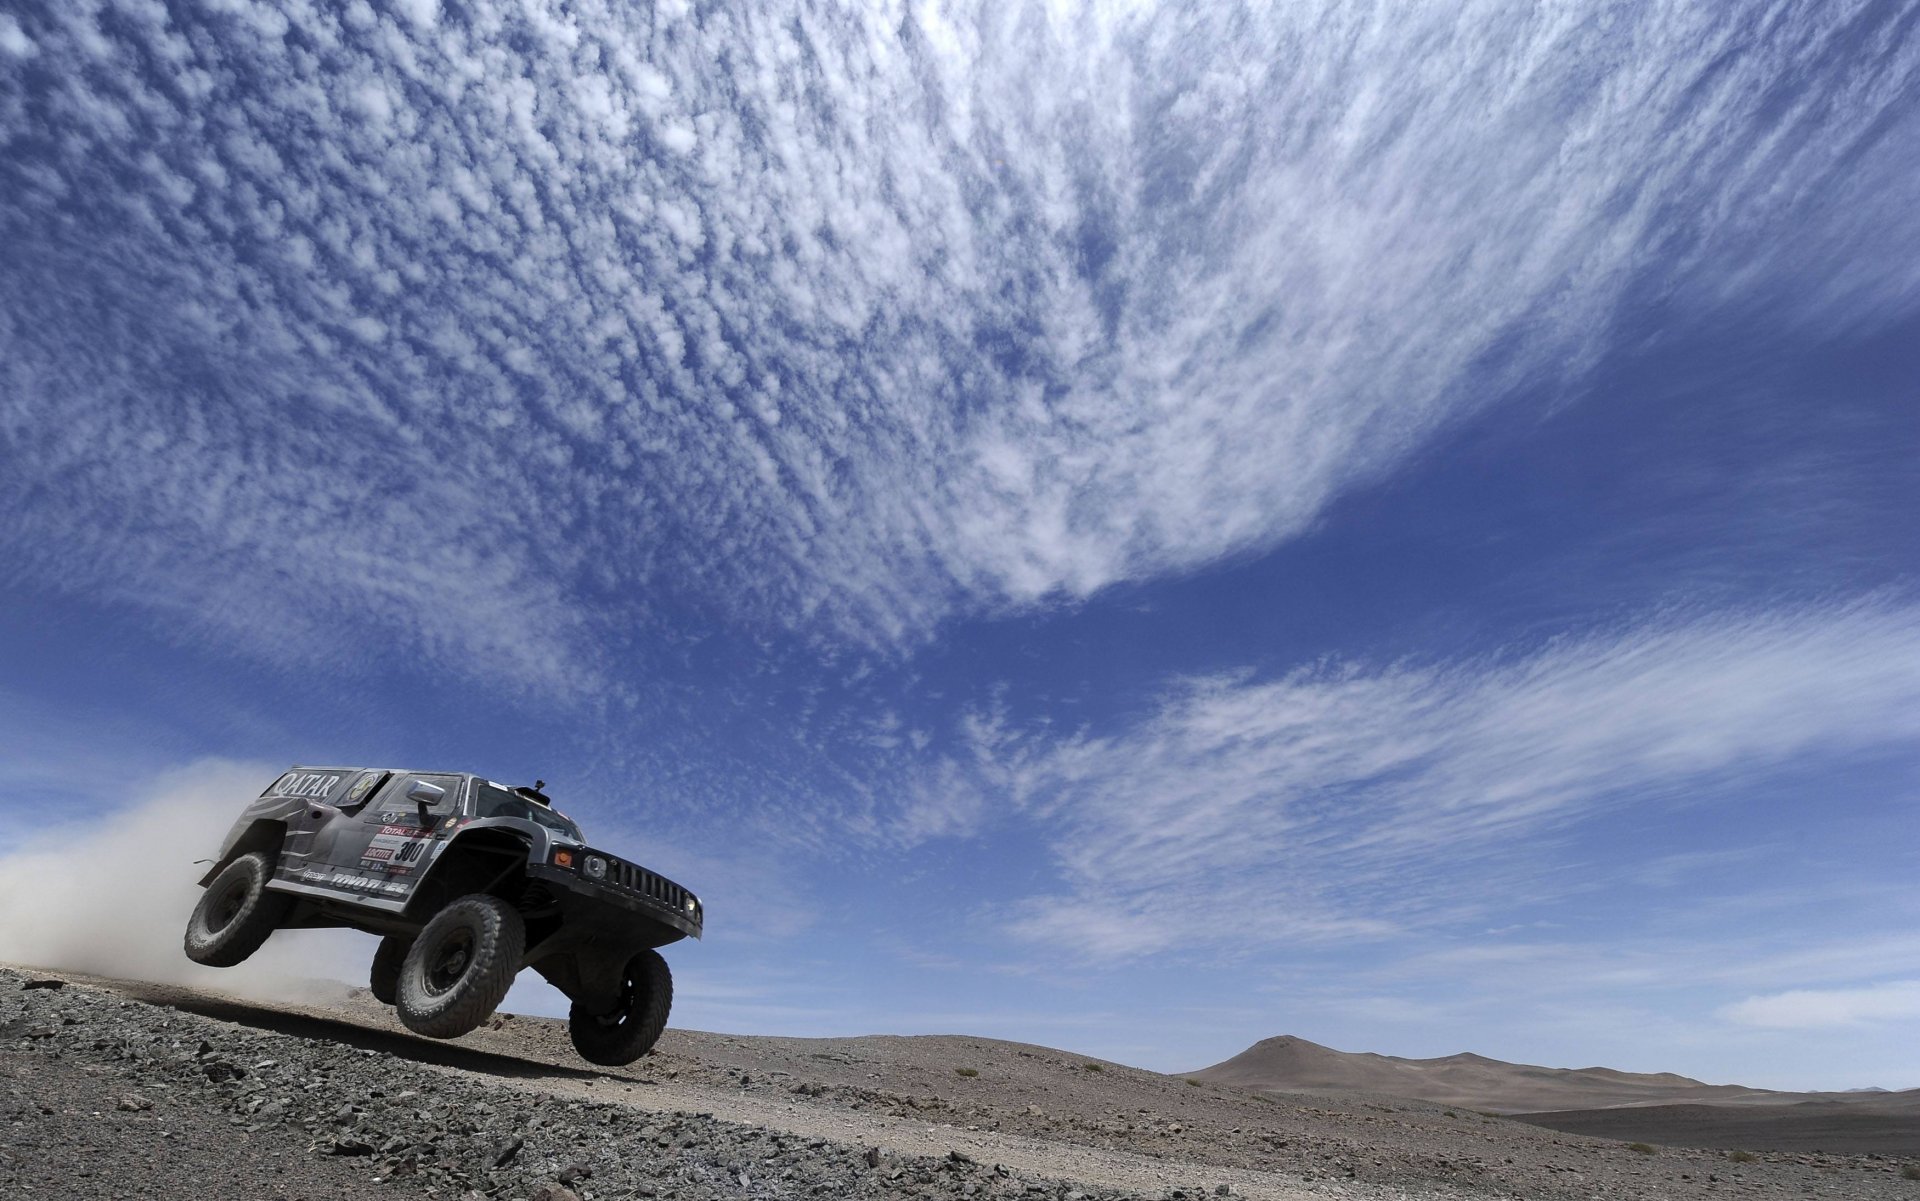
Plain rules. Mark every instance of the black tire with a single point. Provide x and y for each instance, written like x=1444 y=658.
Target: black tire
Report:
x=620 y=1037
x=384 y=981
x=460 y=967
x=236 y=913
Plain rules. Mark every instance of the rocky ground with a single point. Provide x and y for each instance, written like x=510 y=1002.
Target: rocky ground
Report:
x=111 y=1089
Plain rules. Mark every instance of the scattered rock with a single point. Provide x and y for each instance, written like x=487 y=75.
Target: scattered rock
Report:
x=345 y=1145
x=404 y=1129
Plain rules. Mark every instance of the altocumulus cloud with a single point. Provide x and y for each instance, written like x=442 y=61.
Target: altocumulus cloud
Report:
x=478 y=321
x=1343 y=800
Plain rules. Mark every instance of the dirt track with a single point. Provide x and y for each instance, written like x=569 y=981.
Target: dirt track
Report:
x=884 y=1117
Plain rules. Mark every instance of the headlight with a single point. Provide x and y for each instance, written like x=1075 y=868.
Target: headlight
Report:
x=693 y=904
x=596 y=866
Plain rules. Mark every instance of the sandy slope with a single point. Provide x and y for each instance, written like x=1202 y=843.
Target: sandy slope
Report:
x=869 y=1117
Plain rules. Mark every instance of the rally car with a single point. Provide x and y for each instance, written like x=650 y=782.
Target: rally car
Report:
x=466 y=881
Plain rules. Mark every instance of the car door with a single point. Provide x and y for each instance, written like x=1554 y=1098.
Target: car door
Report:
x=313 y=835
x=386 y=844
x=314 y=803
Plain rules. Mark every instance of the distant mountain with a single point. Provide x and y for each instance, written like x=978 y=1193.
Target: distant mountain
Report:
x=1289 y=1064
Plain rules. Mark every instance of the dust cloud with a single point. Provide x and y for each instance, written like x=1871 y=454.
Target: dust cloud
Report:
x=108 y=893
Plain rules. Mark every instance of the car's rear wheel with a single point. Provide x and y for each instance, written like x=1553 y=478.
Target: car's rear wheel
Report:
x=635 y=1024
x=236 y=913
x=384 y=981
x=460 y=967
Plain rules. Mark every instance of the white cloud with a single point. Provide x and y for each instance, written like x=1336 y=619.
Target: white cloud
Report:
x=1049 y=299
x=1343 y=800
x=422 y=13
x=14 y=40
x=373 y=103
x=1800 y=1009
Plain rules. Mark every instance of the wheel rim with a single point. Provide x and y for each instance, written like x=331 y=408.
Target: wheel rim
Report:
x=227 y=906
x=623 y=1012
x=450 y=962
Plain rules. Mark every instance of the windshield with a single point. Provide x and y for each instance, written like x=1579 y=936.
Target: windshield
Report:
x=491 y=800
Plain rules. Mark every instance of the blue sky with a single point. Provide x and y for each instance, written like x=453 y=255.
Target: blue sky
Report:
x=1134 y=527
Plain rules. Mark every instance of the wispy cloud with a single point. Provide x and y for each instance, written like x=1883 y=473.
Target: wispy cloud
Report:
x=1896 y=1000
x=497 y=325
x=1346 y=800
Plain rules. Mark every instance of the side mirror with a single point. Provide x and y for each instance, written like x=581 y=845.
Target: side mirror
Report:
x=422 y=793
x=426 y=796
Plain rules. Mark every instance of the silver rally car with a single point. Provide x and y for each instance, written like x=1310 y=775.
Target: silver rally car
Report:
x=467 y=882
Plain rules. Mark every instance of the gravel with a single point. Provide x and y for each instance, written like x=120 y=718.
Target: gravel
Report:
x=102 y=1096
x=106 y=1093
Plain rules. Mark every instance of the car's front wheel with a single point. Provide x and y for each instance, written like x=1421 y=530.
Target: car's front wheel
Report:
x=635 y=1024
x=236 y=913
x=460 y=967
x=384 y=980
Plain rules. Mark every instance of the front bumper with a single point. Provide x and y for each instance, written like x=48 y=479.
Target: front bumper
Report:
x=630 y=888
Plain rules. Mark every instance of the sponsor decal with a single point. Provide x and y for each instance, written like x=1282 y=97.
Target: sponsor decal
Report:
x=333 y=879
x=397 y=848
x=360 y=788
x=309 y=784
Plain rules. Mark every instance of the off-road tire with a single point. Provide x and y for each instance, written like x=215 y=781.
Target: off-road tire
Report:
x=634 y=1026
x=460 y=966
x=384 y=980
x=236 y=913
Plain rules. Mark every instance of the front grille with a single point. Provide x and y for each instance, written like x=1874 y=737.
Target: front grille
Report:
x=639 y=880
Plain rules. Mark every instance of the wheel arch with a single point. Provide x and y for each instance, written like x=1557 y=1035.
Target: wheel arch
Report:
x=487 y=860
x=262 y=834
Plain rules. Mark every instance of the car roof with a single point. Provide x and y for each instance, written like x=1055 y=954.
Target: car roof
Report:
x=398 y=771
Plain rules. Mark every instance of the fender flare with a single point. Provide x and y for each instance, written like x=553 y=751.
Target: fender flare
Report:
x=265 y=834
x=472 y=861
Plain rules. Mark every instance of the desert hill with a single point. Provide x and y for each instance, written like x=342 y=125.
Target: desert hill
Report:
x=121 y=1088
x=1290 y=1064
